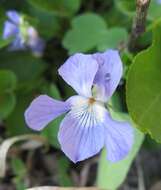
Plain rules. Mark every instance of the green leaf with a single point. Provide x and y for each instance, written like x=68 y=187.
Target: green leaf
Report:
x=112 y=175
x=7 y=104
x=8 y=81
x=44 y=20
x=18 y=167
x=87 y=30
x=4 y=43
x=154 y=11
x=63 y=174
x=7 y=98
x=54 y=92
x=113 y=38
x=151 y=144
x=26 y=67
x=59 y=7
x=144 y=88
x=126 y=7
x=19 y=183
x=15 y=123
x=51 y=132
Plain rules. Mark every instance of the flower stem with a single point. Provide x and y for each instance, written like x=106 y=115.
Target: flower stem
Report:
x=139 y=22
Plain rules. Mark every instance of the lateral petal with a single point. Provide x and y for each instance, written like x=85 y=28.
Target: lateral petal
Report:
x=119 y=137
x=43 y=110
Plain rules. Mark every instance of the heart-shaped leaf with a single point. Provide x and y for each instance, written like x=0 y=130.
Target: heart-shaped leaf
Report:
x=87 y=30
x=113 y=38
x=144 y=87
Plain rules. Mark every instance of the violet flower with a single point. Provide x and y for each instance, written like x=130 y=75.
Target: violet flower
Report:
x=88 y=126
x=24 y=36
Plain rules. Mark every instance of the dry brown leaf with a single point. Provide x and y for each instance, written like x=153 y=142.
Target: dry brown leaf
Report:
x=5 y=146
x=64 y=188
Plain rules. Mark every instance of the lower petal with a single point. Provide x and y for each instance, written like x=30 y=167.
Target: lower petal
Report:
x=17 y=44
x=43 y=110
x=81 y=134
x=119 y=139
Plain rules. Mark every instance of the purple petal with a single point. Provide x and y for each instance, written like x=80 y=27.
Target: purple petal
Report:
x=109 y=73
x=10 y=30
x=81 y=134
x=43 y=110
x=119 y=139
x=17 y=44
x=79 y=72
x=37 y=47
x=34 y=42
x=14 y=16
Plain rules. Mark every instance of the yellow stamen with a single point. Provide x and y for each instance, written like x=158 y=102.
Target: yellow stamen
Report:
x=92 y=100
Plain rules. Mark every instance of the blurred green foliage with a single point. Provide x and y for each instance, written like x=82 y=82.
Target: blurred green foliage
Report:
x=7 y=98
x=20 y=171
x=70 y=26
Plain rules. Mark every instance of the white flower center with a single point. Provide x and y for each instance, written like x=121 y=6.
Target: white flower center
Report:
x=93 y=110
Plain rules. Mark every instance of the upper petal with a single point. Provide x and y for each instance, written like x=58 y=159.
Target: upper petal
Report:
x=9 y=30
x=17 y=44
x=43 y=110
x=79 y=72
x=37 y=46
x=35 y=42
x=14 y=16
x=81 y=134
x=119 y=137
x=109 y=73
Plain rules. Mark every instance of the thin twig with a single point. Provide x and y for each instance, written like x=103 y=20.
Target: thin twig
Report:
x=84 y=174
x=139 y=22
x=141 y=185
